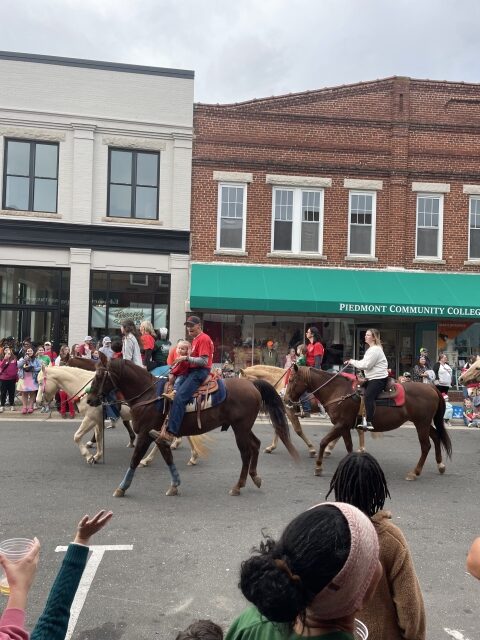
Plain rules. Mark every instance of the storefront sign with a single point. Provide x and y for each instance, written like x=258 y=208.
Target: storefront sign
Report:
x=410 y=310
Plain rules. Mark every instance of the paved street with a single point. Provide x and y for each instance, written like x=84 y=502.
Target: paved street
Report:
x=186 y=551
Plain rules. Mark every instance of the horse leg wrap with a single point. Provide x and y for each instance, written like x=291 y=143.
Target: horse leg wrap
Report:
x=175 y=476
x=127 y=480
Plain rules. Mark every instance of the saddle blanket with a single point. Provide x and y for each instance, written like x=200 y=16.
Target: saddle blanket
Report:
x=217 y=397
x=393 y=396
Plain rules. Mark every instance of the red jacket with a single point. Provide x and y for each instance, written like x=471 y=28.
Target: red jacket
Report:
x=8 y=369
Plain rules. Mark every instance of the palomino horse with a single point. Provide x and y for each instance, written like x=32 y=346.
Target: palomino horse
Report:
x=239 y=410
x=277 y=377
x=472 y=374
x=197 y=446
x=423 y=405
x=75 y=382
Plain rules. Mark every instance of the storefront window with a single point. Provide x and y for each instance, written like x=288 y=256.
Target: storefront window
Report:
x=117 y=296
x=241 y=338
x=34 y=303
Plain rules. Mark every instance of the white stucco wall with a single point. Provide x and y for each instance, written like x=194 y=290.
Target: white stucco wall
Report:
x=87 y=111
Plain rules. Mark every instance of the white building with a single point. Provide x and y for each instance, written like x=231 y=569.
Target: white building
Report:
x=95 y=171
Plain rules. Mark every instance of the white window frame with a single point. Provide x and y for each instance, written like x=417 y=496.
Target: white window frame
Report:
x=473 y=197
x=439 y=255
x=373 y=239
x=235 y=185
x=297 y=220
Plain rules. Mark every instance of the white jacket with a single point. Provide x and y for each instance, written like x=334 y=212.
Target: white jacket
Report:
x=374 y=363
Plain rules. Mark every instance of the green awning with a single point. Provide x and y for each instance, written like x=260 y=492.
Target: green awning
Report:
x=231 y=287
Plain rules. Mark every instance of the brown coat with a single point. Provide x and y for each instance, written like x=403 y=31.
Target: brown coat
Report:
x=396 y=610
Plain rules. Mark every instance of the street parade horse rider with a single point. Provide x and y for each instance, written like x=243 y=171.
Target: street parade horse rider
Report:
x=200 y=362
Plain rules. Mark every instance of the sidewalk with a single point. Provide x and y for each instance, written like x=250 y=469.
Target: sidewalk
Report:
x=36 y=415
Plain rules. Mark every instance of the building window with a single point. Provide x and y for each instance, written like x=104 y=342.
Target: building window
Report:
x=297 y=220
x=474 y=229
x=361 y=228
x=133 y=184
x=30 y=176
x=117 y=295
x=429 y=225
x=232 y=209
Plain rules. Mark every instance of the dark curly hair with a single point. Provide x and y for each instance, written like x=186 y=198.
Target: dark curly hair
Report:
x=130 y=327
x=283 y=577
x=201 y=630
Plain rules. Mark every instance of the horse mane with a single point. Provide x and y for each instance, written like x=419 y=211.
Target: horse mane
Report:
x=81 y=363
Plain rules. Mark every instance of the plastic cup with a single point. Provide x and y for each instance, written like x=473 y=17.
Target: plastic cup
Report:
x=14 y=550
x=360 y=631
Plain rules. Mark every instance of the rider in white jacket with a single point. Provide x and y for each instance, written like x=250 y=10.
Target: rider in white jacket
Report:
x=375 y=366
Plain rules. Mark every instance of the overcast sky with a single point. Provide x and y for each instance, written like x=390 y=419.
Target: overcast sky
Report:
x=243 y=49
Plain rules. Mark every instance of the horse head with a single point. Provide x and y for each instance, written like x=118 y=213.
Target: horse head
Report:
x=101 y=384
x=296 y=384
x=47 y=388
x=472 y=374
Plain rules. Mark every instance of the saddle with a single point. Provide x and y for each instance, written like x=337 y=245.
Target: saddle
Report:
x=393 y=396
x=205 y=389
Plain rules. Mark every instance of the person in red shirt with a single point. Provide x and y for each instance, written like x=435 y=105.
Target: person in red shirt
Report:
x=200 y=362
x=315 y=348
x=147 y=344
x=49 y=352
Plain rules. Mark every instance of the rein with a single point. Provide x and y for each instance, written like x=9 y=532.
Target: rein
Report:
x=312 y=393
x=281 y=377
x=75 y=395
x=127 y=401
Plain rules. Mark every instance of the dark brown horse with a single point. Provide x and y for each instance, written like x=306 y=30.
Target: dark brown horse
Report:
x=240 y=409
x=424 y=406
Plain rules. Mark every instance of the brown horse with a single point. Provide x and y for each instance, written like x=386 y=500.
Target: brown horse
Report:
x=239 y=410
x=277 y=377
x=423 y=405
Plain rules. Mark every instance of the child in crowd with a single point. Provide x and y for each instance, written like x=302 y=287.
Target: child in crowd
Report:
x=468 y=412
x=290 y=358
x=178 y=369
x=40 y=354
x=476 y=417
x=396 y=610
x=201 y=630
x=117 y=347
x=306 y=406
x=28 y=368
x=447 y=416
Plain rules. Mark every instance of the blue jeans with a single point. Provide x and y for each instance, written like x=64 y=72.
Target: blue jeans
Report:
x=305 y=400
x=111 y=409
x=186 y=388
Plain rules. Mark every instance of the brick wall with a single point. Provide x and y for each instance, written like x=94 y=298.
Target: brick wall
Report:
x=397 y=130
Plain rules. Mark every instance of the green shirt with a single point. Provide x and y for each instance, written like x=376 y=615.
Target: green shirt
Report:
x=251 y=625
x=301 y=361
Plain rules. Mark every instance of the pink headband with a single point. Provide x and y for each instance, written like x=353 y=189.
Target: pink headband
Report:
x=345 y=593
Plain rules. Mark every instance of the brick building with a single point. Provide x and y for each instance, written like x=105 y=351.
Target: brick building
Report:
x=346 y=207
x=95 y=170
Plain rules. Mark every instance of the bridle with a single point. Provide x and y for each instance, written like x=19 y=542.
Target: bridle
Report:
x=311 y=394
x=105 y=403
x=72 y=397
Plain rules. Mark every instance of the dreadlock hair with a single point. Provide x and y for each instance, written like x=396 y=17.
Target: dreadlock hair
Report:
x=360 y=481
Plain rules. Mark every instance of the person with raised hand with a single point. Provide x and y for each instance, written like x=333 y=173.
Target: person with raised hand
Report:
x=20 y=577
x=53 y=623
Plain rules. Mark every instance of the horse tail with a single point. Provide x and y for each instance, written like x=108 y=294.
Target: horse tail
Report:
x=440 y=425
x=276 y=410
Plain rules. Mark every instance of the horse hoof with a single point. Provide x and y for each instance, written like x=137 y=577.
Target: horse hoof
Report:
x=257 y=481
x=176 y=443
x=361 y=450
x=143 y=463
x=192 y=462
x=318 y=471
x=269 y=450
x=118 y=493
x=90 y=460
x=130 y=445
x=327 y=453
x=172 y=491
x=441 y=468
x=312 y=453
x=411 y=475
x=234 y=492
